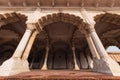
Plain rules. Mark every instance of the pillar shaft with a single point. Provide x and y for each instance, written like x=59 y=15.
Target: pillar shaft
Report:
x=92 y=47
x=15 y=65
x=45 y=61
x=99 y=46
x=21 y=46
x=75 y=60
x=29 y=46
x=90 y=27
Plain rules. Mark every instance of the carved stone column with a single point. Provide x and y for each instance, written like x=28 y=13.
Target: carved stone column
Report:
x=91 y=45
x=105 y=64
x=29 y=46
x=21 y=46
x=46 y=58
x=99 y=46
x=14 y=65
x=75 y=61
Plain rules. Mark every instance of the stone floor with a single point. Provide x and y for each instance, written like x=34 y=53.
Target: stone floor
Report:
x=60 y=75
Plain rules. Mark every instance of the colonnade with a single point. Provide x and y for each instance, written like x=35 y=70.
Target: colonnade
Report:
x=101 y=61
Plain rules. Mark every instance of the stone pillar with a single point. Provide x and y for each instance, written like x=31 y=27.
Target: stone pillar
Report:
x=94 y=52
x=99 y=46
x=29 y=46
x=44 y=67
x=21 y=46
x=83 y=61
x=90 y=61
x=75 y=61
x=91 y=45
x=14 y=65
x=105 y=64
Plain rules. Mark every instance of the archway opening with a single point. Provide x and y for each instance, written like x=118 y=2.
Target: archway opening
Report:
x=60 y=56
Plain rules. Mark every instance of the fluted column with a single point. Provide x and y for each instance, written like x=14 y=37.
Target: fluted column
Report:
x=44 y=67
x=29 y=45
x=75 y=60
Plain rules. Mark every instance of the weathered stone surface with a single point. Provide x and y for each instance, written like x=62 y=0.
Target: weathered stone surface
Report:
x=13 y=66
x=108 y=66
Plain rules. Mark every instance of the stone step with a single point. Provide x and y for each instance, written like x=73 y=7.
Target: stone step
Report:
x=59 y=75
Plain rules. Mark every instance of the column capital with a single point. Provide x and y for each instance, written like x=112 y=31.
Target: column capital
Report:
x=86 y=28
x=31 y=26
x=38 y=27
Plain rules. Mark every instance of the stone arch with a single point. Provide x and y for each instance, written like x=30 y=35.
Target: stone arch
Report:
x=12 y=27
x=7 y=49
x=111 y=32
x=14 y=22
x=63 y=17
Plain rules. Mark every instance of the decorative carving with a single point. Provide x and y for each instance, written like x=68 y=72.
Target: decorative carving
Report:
x=108 y=18
x=7 y=30
x=67 y=18
x=11 y=18
x=86 y=28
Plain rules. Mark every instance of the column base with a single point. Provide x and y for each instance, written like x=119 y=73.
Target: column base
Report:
x=13 y=66
x=108 y=66
x=44 y=68
x=76 y=67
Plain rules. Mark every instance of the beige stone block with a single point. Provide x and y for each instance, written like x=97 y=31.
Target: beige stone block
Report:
x=108 y=66
x=13 y=66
